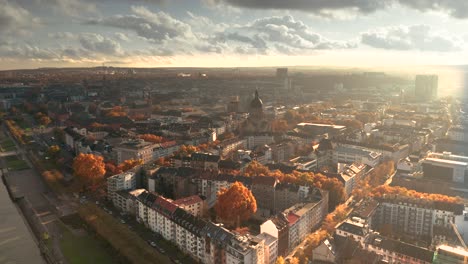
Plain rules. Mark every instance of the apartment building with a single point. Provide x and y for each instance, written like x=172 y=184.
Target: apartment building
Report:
x=125 y=200
x=349 y=175
x=135 y=149
x=351 y=154
x=124 y=181
x=446 y=167
x=394 y=251
x=415 y=217
x=203 y=241
x=270 y=247
x=192 y=204
x=458 y=133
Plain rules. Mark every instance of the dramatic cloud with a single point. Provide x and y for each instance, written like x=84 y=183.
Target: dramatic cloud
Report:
x=26 y=51
x=71 y=7
x=416 y=37
x=364 y=6
x=282 y=35
x=121 y=36
x=455 y=8
x=14 y=19
x=156 y=27
x=99 y=44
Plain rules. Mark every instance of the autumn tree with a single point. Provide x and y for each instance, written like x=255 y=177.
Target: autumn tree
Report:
x=383 y=190
x=163 y=162
x=129 y=164
x=45 y=120
x=280 y=260
x=112 y=169
x=186 y=150
x=151 y=138
x=96 y=125
x=53 y=151
x=42 y=119
x=235 y=204
x=89 y=167
x=116 y=111
x=381 y=172
x=294 y=260
x=255 y=168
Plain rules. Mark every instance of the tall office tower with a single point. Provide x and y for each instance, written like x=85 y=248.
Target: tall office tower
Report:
x=426 y=87
x=282 y=73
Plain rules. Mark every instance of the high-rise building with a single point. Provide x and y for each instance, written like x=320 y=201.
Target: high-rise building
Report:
x=426 y=87
x=282 y=73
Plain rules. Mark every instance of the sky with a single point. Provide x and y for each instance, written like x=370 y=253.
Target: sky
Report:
x=232 y=33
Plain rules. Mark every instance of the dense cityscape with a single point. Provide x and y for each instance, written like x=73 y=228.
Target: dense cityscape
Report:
x=158 y=160
x=172 y=169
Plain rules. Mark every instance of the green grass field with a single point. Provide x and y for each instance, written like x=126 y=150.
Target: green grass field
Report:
x=124 y=241
x=84 y=249
x=14 y=163
x=7 y=145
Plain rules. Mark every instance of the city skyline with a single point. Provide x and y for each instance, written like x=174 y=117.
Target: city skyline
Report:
x=72 y=33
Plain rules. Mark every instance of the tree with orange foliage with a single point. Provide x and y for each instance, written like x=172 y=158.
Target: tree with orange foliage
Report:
x=383 y=190
x=129 y=164
x=256 y=169
x=294 y=260
x=242 y=230
x=112 y=169
x=280 y=260
x=163 y=162
x=89 y=167
x=151 y=138
x=45 y=120
x=235 y=204
x=186 y=150
x=116 y=111
x=97 y=125
x=138 y=117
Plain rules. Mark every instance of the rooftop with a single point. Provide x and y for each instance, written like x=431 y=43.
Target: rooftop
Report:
x=401 y=248
x=188 y=200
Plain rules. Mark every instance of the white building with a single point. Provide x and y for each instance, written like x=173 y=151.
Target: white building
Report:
x=351 y=154
x=445 y=166
x=119 y=182
x=126 y=201
x=271 y=248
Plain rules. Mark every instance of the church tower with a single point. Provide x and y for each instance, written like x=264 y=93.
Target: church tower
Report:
x=256 y=108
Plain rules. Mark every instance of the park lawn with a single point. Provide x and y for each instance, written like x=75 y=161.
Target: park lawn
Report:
x=7 y=144
x=83 y=249
x=14 y=163
x=124 y=241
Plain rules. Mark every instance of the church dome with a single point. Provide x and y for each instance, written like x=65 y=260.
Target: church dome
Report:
x=256 y=102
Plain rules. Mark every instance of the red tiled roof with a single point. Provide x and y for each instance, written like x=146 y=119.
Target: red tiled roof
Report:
x=292 y=218
x=188 y=200
x=164 y=206
x=168 y=144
